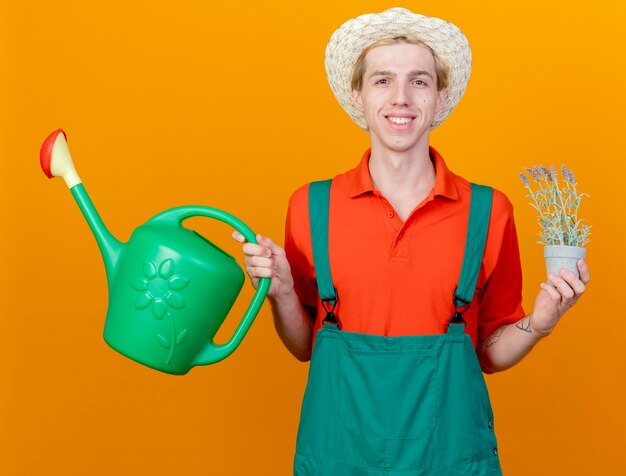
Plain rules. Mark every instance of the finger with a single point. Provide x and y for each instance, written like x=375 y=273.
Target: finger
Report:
x=259 y=262
x=561 y=285
x=583 y=269
x=576 y=284
x=260 y=272
x=267 y=242
x=552 y=292
x=250 y=249
x=238 y=237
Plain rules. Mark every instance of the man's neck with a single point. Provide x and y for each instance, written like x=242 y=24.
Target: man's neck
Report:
x=404 y=178
x=411 y=169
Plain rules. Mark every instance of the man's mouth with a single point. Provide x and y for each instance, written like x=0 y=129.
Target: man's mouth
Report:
x=399 y=120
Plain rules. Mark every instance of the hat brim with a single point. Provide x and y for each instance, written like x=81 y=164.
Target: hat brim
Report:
x=348 y=42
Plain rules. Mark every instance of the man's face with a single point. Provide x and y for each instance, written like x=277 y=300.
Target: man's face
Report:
x=399 y=96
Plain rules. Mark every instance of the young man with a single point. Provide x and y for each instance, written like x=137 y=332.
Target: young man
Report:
x=400 y=280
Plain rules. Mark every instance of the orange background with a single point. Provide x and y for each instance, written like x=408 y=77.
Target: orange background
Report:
x=227 y=105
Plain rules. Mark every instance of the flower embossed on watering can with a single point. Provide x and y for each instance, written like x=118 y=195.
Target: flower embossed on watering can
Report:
x=157 y=289
x=170 y=288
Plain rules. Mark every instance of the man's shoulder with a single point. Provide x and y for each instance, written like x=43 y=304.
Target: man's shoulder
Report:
x=300 y=197
x=500 y=201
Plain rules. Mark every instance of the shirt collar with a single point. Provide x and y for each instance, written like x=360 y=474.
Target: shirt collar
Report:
x=444 y=179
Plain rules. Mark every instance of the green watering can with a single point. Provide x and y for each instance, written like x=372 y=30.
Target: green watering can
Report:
x=170 y=289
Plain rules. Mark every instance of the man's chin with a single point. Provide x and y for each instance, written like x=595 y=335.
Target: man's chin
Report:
x=404 y=144
x=399 y=143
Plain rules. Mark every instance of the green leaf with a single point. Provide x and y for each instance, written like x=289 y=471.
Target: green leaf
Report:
x=181 y=337
x=163 y=341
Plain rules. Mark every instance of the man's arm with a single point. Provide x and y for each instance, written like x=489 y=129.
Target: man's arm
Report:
x=509 y=344
x=293 y=323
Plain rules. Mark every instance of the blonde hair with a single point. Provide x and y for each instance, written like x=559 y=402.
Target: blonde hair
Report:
x=441 y=68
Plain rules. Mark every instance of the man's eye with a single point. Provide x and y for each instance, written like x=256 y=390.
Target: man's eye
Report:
x=382 y=81
x=419 y=82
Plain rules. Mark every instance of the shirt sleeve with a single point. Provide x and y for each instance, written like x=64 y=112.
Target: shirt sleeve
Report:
x=298 y=247
x=500 y=302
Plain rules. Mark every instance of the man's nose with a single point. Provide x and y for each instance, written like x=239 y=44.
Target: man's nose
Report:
x=400 y=95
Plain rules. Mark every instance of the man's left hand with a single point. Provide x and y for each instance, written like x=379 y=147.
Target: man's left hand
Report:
x=557 y=295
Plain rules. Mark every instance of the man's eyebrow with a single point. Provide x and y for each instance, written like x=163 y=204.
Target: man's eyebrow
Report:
x=414 y=73
x=420 y=72
x=381 y=73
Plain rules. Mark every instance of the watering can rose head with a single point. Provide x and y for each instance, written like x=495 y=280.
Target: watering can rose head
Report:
x=557 y=205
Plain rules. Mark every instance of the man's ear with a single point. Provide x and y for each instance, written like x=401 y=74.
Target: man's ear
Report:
x=441 y=95
x=356 y=100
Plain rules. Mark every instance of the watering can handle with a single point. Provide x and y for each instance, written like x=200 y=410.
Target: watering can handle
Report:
x=214 y=353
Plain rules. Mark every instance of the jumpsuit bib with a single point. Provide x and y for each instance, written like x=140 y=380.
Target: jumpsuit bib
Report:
x=405 y=406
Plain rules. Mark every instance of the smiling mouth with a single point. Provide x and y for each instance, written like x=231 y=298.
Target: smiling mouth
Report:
x=399 y=120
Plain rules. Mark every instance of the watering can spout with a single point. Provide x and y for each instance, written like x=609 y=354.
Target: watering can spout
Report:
x=56 y=161
x=110 y=247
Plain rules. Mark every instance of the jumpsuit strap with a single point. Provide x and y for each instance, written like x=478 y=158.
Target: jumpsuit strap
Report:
x=319 y=206
x=477 y=227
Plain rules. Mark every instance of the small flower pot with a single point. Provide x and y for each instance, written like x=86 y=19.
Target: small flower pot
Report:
x=560 y=256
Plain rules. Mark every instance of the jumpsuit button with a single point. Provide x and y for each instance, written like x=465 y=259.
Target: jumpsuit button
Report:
x=495 y=451
x=490 y=424
x=390 y=214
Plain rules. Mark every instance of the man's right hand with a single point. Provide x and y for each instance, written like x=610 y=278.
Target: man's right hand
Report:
x=293 y=324
x=267 y=260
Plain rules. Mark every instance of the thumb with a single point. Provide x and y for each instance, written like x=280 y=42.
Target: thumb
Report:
x=238 y=237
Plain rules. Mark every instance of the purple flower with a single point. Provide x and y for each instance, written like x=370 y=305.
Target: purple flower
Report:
x=564 y=172
x=539 y=170
x=533 y=174
x=524 y=179
x=552 y=173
